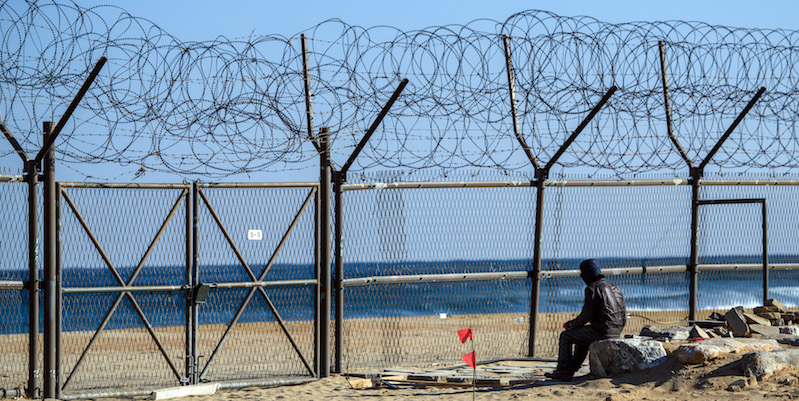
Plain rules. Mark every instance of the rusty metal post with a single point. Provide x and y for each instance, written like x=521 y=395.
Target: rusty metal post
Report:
x=765 y=251
x=535 y=274
x=324 y=252
x=49 y=248
x=33 y=278
x=338 y=274
x=190 y=223
x=693 y=277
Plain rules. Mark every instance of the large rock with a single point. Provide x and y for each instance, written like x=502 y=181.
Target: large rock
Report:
x=760 y=363
x=671 y=333
x=707 y=350
x=612 y=357
x=737 y=322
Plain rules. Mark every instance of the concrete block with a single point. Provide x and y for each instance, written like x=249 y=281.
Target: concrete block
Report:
x=788 y=317
x=790 y=330
x=704 y=351
x=751 y=318
x=777 y=322
x=670 y=333
x=763 y=329
x=615 y=356
x=737 y=322
x=716 y=316
x=761 y=364
x=769 y=315
x=765 y=309
x=777 y=304
x=721 y=331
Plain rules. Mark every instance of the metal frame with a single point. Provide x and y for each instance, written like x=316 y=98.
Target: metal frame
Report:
x=125 y=288
x=255 y=285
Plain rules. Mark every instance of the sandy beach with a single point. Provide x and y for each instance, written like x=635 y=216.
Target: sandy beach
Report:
x=128 y=360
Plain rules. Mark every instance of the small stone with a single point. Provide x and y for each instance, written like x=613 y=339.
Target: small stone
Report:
x=721 y=331
x=737 y=385
x=787 y=316
x=697 y=332
x=777 y=322
x=779 y=305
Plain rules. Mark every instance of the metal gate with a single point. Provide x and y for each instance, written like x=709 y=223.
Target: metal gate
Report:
x=256 y=257
x=124 y=254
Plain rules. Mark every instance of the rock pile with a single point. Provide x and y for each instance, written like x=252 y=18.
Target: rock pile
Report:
x=770 y=319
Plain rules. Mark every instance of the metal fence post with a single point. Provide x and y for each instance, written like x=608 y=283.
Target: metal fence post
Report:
x=33 y=278
x=693 y=289
x=535 y=275
x=50 y=291
x=194 y=279
x=339 y=271
x=190 y=223
x=324 y=250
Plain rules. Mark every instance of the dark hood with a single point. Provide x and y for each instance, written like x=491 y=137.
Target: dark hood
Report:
x=590 y=271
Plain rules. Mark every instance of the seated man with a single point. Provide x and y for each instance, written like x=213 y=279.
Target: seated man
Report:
x=606 y=312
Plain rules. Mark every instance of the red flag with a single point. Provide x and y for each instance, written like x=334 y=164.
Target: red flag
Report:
x=470 y=360
x=465 y=334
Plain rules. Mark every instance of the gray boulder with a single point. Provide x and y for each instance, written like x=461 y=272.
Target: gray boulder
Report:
x=761 y=364
x=615 y=356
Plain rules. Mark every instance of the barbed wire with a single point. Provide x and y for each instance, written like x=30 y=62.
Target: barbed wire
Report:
x=230 y=106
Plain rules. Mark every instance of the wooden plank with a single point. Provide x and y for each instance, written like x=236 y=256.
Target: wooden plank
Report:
x=185 y=391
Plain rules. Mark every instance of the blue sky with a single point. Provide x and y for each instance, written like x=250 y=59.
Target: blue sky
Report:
x=206 y=19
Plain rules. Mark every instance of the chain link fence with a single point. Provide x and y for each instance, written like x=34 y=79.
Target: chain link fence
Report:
x=14 y=300
x=422 y=259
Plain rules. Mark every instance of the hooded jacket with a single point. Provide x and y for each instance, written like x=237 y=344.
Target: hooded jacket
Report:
x=604 y=304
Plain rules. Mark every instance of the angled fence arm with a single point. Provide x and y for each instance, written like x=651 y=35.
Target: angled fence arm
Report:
x=580 y=128
x=72 y=106
x=307 y=81
x=513 y=111
x=14 y=143
x=667 y=102
x=374 y=126
x=732 y=127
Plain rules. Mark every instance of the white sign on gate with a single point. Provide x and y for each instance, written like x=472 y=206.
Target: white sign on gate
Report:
x=255 y=235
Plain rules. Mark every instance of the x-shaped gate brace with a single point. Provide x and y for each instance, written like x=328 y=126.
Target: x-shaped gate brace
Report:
x=124 y=289
x=257 y=284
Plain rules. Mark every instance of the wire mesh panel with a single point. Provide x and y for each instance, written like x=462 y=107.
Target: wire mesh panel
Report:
x=632 y=226
x=256 y=234
x=113 y=341
x=13 y=301
x=732 y=234
x=415 y=324
x=435 y=231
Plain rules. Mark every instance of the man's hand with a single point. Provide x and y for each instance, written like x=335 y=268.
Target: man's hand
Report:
x=567 y=325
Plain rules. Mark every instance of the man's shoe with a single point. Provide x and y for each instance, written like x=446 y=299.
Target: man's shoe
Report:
x=560 y=376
